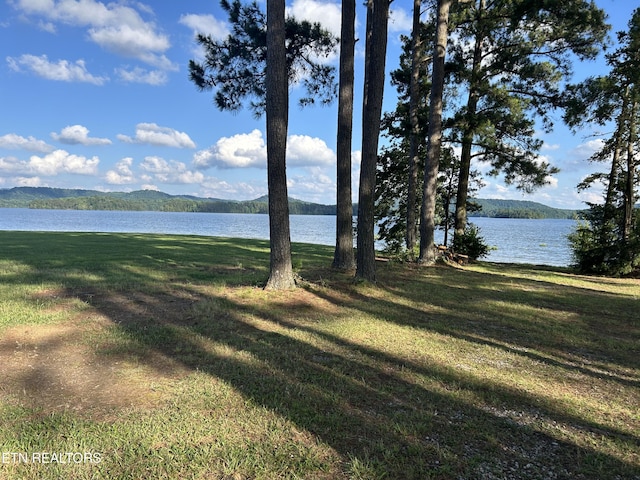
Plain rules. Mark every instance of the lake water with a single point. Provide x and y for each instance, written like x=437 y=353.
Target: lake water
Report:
x=541 y=242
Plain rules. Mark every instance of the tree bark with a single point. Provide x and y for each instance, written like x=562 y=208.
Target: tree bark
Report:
x=414 y=140
x=343 y=257
x=629 y=200
x=469 y=131
x=609 y=207
x=430 y=193
x=277 y=110
x=375 y=56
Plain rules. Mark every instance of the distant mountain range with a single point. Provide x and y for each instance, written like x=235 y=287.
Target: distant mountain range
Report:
x=76 y=199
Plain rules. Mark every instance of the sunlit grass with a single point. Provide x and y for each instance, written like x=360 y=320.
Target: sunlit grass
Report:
x=490 y=371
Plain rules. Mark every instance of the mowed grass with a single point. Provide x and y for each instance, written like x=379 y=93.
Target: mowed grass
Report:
x=162 y=357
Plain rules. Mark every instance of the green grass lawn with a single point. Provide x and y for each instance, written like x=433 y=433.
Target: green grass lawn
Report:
x=152 y=356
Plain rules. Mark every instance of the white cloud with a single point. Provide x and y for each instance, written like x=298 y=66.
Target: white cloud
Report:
x=329 y=14
x=62 y=70
x=239 y=151
x=140 y=75
x=122 y=173
x=11 y=165
x=153 y=134
x=13 y=141
x=134 y=43
x=172 y=172
x=54 y=163
x=188 y=177
x=129 y=40
x=117 y=27
x=585 y=150
x=47 y=27
x=400 y=20
x=205 y=24
x=78 y=135
x=577 y=159
x=157 y=171
x=156 y=165
x=314 y=186
x=216 y=188
x=34 y=6
x=27 y=181
x=592 y=196
x=552 y=182
x=303 y=150
x=249 y=150
x=497 y=191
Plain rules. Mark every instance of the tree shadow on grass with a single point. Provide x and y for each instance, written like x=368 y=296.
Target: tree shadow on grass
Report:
x=367 y=405
x=121 y=261
x=509 y=334
x=400 y=417
x=560 y=325
x=449 y=325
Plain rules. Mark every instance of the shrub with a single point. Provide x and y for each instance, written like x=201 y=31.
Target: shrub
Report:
x=470 y=243
x=598 y=249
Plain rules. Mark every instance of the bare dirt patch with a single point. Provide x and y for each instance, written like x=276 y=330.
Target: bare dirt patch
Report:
x=52 y=368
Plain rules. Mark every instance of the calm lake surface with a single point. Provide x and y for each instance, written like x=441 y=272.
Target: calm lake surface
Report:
x=541 y=242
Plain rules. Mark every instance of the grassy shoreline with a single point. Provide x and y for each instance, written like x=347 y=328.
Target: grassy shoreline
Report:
x=163 y=354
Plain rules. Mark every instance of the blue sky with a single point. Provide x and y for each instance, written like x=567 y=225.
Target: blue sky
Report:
x=96 y=95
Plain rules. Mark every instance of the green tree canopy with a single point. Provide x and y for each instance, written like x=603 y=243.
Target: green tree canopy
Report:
x=610 y=240
x=236 y=66
x=512 y=58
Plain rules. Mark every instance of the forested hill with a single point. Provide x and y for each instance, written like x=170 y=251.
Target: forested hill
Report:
x=151 y=200
x=143 y=200
x=518 y=209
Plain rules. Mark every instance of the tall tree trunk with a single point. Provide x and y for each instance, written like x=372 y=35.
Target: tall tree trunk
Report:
x=469 y=130
x=463 y=183
x=609 y=208
x=430 y=193
x=375 y=56
x=277 y=109
x=414 y=140
x=631 y=170
x=343 y=257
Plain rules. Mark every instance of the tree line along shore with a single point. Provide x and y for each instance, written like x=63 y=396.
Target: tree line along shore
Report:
x=150 y=200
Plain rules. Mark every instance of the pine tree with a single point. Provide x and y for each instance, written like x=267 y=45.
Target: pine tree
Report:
x=343 y=257
x=430 y=185
x=375 y=56
x=513 y=73
x=277 y=107
x=257 y=62
x=610 y=240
